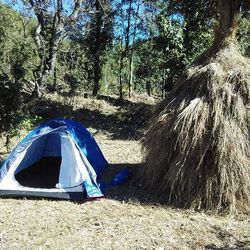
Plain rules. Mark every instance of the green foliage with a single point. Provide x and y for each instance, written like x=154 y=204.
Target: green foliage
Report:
x=152 y=41
x=171 y=43
x=9 y=32
x=97 y=40
x=72 y=68
x=16 y=44
x=146 y=44
x=243 y=36
x=17 y=54
x=197 y=19
x=148 y=73
x=11 y=105
x=110 y=70
x=14 y=109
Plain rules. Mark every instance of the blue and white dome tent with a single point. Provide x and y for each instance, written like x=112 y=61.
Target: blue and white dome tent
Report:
x=59 y=159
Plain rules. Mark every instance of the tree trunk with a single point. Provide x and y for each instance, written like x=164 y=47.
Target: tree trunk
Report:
x=97 y=76
x=228 y=24
x=148 y=87
x=96 y=84
x=130 y=82
x=131 y=54
x=127 y=39
x=97 y=60
x=105 y=80
x=120 y=78
x=7 y=143
x=225 y=32
x=54 y=45
x=163 y=84
x=55 y=79
x=37 y=92
x=191 y=24
x=48 y=43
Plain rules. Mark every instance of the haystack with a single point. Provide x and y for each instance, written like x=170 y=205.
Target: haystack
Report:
x=197 y=150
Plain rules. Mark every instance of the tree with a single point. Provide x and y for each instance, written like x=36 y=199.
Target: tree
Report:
x=72 y=67
x=16 y=47
x=51 y=25
x=243 y=35
x=149 y=62
x=128 y=26
x=12 y=105
x=197 y=150
x=98 y=38
x=197 y=24
x=171 y=42
x=16 y=53
x=131 y=34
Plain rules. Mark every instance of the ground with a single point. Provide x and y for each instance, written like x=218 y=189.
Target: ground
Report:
x=129 y=217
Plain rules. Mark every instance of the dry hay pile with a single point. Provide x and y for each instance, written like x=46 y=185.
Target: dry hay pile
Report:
x=197 y=151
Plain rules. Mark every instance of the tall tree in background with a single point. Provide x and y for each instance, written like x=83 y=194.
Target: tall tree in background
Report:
x=198 y=21
x=129 y=21
x=16 y=51
x=152 y=44
x=131 y=39
x=170 y=43
x=123 y=16
x=197 y=150
x=98 y=38
x=48 y=35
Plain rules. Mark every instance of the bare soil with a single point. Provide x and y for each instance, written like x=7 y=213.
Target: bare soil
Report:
x=129 y=217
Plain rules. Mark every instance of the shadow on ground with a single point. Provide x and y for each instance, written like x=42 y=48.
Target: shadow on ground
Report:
x=127 y=123
x=238 y=244
x=132 y=190
x=226 y=236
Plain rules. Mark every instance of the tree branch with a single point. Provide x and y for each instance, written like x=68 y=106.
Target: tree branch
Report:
x=31 y=3
x=76 y=10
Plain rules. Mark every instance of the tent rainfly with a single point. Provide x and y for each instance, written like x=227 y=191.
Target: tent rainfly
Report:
x=59 y=159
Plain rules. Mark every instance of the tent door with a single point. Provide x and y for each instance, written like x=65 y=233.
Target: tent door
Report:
x=73 y=171
x=42 y=174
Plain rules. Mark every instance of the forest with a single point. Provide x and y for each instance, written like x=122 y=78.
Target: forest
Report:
x=101 y=47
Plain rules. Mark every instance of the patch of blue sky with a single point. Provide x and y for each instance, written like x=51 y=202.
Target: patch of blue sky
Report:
x=23 y=6
x=137 y=20
x=15 y=4
x=141 y=24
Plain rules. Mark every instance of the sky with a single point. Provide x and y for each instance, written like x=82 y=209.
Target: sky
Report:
x=19 y=6
x=120 y=24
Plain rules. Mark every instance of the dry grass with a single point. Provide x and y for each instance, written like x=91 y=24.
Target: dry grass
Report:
x=112 y=224
x=197 y=151
x=128 y=218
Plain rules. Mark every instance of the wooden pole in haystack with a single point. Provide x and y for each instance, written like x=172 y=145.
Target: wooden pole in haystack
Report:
x=197 y=149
